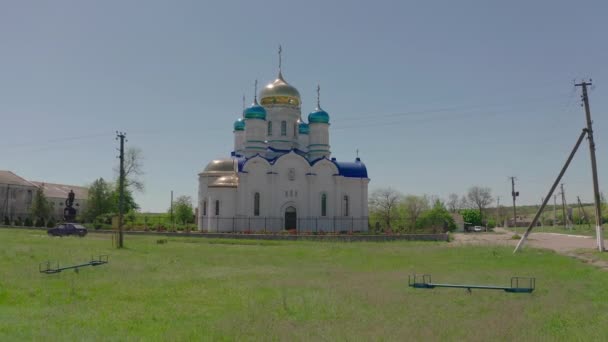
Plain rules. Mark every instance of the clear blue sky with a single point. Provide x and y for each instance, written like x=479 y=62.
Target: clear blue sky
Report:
x=436 y=95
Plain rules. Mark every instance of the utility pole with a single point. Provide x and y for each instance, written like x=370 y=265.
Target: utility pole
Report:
x=599 y=234
x=557 y=180
x=498 y=211
x=172 y=221
x=554 y=209
x=514 y=194
x=121 y=186
x=565 y=218
x=582 y=210
x=543 y=218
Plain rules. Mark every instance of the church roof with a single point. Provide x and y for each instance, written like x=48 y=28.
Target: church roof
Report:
x=354 y=169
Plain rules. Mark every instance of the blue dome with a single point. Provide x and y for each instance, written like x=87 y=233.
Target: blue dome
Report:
x=318 y=116
x=303 y=128
x=255 y=112
x=239 y=125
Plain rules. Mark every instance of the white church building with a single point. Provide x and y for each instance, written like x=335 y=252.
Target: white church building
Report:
x=281 y=175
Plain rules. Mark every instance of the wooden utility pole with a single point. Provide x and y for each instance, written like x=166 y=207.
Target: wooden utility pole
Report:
x=121 y=187
x=514 y=194
x=599 y=234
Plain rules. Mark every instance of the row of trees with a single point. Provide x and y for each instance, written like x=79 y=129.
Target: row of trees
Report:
x=409 y=213
x=392 y=211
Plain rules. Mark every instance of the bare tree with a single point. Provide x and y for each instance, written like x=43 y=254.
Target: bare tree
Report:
x=384 y=202
x=414 y=206
x=480 y=197
x=452 y=202
x=464 y=202
x=134 y=169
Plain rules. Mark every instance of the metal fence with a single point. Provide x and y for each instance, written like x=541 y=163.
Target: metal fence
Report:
x=312 y=225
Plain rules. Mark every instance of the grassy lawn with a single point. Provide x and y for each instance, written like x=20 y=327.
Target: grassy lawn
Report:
x=193 y=289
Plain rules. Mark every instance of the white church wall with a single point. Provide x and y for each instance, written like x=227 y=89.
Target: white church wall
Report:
x=291 y=184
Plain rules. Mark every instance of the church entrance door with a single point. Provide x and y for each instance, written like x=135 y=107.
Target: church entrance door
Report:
x=291 y=218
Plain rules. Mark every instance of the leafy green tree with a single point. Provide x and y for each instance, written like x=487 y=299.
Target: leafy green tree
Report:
x=41 y=207
x=182 y=209
x=129 y=201
x=413 y=207
x=471 y=217
x=438 y=219
x=99 y=200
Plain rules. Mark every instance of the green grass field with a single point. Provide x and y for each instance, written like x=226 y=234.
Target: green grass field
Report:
x=201 y=289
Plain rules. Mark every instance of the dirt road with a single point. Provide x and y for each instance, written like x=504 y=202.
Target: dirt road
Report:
x=581 y=247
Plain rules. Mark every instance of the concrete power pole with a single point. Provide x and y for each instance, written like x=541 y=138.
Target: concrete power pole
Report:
x=497 y=210
x=581 y=210
x=172 y=221
x=599 y=234
x=514 y=194
x=554 y=209
x=564 y=217
x=121 y=187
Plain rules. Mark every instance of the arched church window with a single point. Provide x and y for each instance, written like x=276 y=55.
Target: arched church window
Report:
x=323 y=205
x=204 y=208
x=346 y=205
x=283 y=128
x=256 y=204
x=217 y=208
x=269 y=127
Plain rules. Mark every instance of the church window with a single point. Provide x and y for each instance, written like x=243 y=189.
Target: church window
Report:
x=269 y=127
x=346 y=205
x=217 y=208
x=204 y=208
x=323 y=205
x=256 y=204
x=283 y=128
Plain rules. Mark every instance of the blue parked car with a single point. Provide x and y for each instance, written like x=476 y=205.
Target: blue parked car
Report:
x=65 y=229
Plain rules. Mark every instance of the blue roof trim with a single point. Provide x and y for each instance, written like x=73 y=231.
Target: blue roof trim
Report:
x=354 y=169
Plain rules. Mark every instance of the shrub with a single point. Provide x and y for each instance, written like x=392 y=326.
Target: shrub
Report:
x=7 y=222
x=18 y=222
x=39 y=222
x=28 y=222
x=51 y=223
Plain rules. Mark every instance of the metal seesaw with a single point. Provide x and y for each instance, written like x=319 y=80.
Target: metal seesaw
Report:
x=414 y=281
x=102 y=259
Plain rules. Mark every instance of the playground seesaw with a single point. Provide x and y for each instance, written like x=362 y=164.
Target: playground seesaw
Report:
x=45 y=267
x=518 y=284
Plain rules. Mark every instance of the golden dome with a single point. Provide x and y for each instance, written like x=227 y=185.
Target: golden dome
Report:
x=220 y=166
x=280 y=92
x=231 y=181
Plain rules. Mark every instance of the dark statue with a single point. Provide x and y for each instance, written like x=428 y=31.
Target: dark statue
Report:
x=69 y=213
